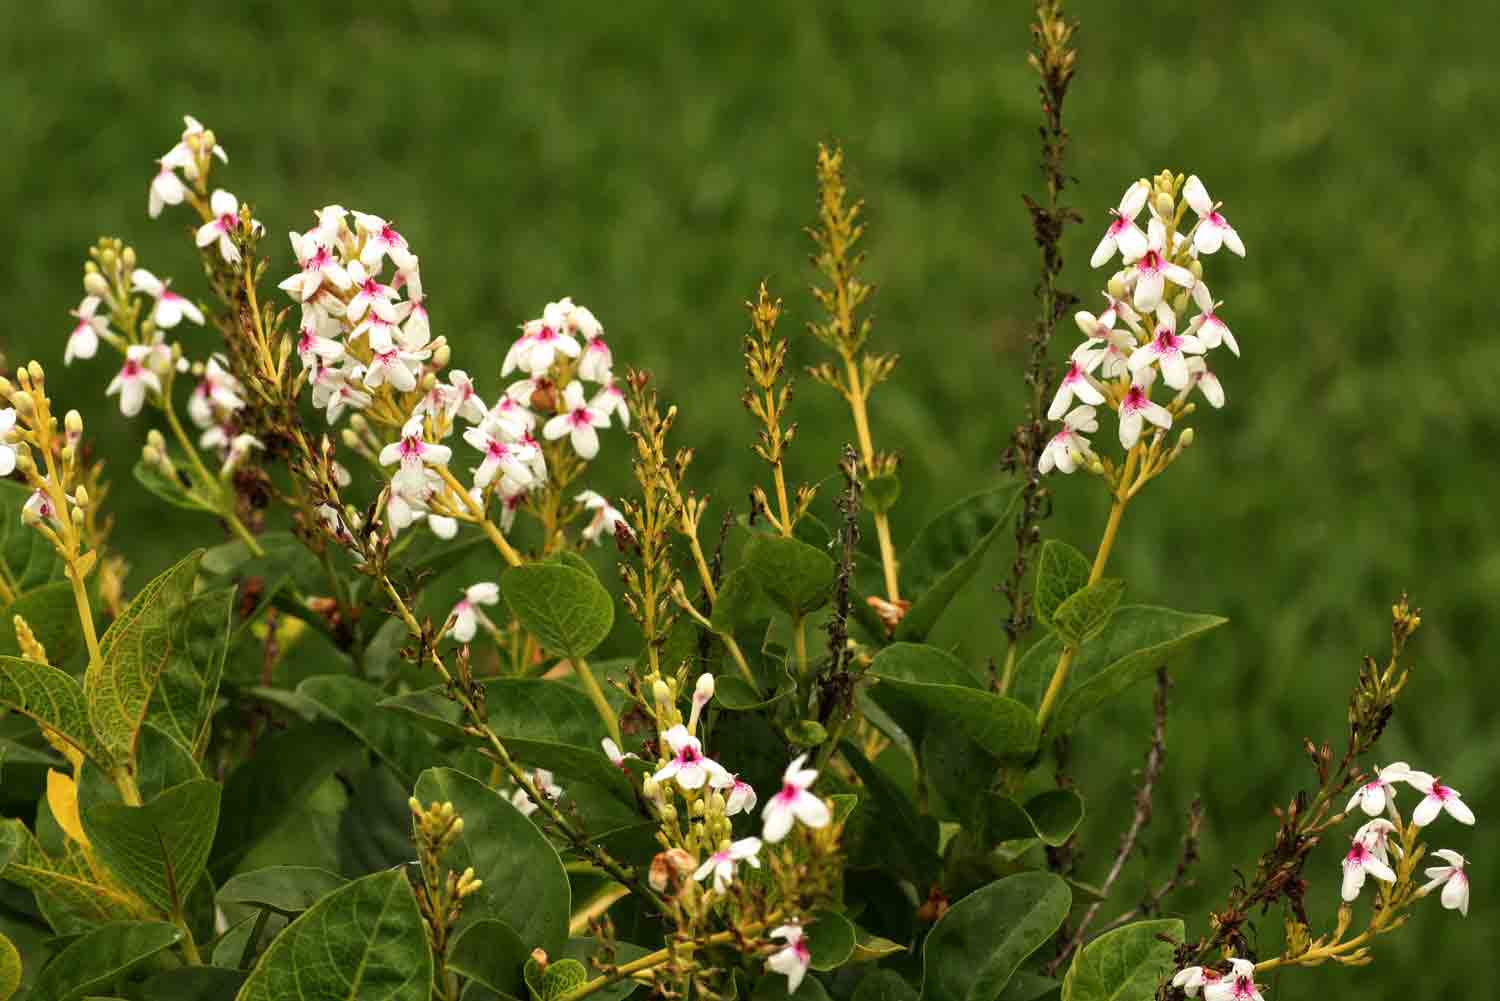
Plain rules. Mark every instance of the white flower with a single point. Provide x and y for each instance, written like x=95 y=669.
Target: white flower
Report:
x=578 y=422
x=542 y=779
x=545 y=340
x=1123 y=234
x=688 y=765
x=610 y=400
x=226 y=210
x=1076 y=381
x=1453 y=878
x=318 y=265
x=605 y=520
x=741 y=798
x=217 y=388
x=396 y=367
x=1167 y=349
x=508 y=509
x=83 y=342
x=1376 y=834
x=38 y=507
x=582 y=321
x=792 y=960
x=1152 y=271
x=467 y=614
x=1211 y=330
x=1069 y=445
x=1237 y=985
x=418 y=324
x=166 y=189
x=464 y=401
x=414 y=454
x=332 y=391
x=596 y=361
x=1380 y=791
x=509 y=417
x=240 y=447
x=7 y=449
x=314 y=348
x=1362 y=861
x=134 y=380
x=1192 y=979
x=1437 y=798
x=500 y=456
x=1137 y=407
x=183 y=155
x=170 y=307
x=382 y=240
x=1213 y=230
x=1208 y=384
x=614 y=754
x=794 y=802
x=722 y=862
x=370 y=295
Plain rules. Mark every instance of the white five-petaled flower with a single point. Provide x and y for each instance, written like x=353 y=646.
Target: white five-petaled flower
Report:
x=596 y=360
x=1123 y=234
x=334 y=391
x=610 y=401
x=1152 y=271
x=614 y=754
x=1453 y=878
x=414 y=454
x=226 y=212
x=170 y=307
x=1077 y=381
x=1376 y=833
x=1213 y=230
x=579 y=422
x=38 y=507
x=318 y=265
x=7 y=448
x=544 y=341
x=1208 y=384
x=464 y=400
x=1136 y=407
x=722 y=862
x=1192 y=979
x=792 y=960
x=1380 y=791
x=218 y=388
x=1362 y=860
x=1437 y=798
x=795 y=801
x=466 y=615
x=1236 y=985
x=688 y=766
x=1167 y=349
x=134 y=380
x=542 y=779
x=83 y=342
x=500 y=456
x=370 y=294
x=313 y=347
x=382 y=240
x=741 y=798
x=418 y=323
x=1067 y=446
x=605 y=519
x=166 y=188
x=396 y=367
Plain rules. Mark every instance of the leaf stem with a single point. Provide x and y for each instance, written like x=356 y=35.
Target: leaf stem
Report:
x=596 y=694
x=660 y=957
x=476 y=512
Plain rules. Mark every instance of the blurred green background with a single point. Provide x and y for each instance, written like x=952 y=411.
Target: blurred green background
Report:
x=654 y=161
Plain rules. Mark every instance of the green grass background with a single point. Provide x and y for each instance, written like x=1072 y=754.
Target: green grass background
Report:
x=654 y=161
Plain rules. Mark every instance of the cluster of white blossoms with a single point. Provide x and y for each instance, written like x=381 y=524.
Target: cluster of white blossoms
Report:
x=1372 y=847
x=1143 y=334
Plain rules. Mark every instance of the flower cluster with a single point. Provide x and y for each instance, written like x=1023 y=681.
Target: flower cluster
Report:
x=1374 y=844
x=1144 y=334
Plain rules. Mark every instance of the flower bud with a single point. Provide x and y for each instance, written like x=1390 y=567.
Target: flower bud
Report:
x=23 y=459
x=22 y=401
x=155 y=440
x=1164 y=206
x=73 y=422
x=107 y=259
x=127 y=258
x=151 y=455
x=67 y=455
x=705 y=689
x=1185 y=439
x=441 y=355
x=1116 y=287
x=94 y=284
x=659 y=691
x=34 y=369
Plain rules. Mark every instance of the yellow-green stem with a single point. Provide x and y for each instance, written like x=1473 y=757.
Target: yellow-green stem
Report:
x=596 y=693
x=660 y=956
x=209 y=482
x=476 y=512
x=856 y=397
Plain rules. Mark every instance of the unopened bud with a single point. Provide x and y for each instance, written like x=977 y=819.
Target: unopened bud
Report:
x=659 y=691
x=73 y=422
x=1185 y=439
x=21 y=399
x=415 y=805
x=67 y=455
x=94 y=284
x=107 y=259
x=441 y=354
x=77 y=515
x=1116 y=287
x=127 y=258
x=705 y=689
x=1164 y=206
x=23 y=459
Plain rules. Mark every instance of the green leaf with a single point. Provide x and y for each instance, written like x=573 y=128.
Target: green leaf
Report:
x=366 y=940
x=1050 y=816
x=285 y=889
x=118 y=686
x=773 y=987
x=1138 y=640
x=158 y=849
x=794 y=575
x=194 y=983
x=568 y=610
x=560 y=977
x=881 y=492
x=1126 y=964
x=977 y=944
x=947 y=553
x=490 y=952
x=52 y=698
x=900 y=839
x=52 y=613
x=524 y=882
x=67 y=893
x=741 y=602
x=830 y=940
x=1001 y=726
x=1028 y=986
x=10 y=968
x=584 y=949
x=884 y=985
x=183 y=704
x=736 y=694
x=95 y=960
x=1061 y=572
x=356 y=705
x=806 y=733
x=1085 y=613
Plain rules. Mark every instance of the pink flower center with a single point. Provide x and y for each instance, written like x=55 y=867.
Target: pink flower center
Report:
x=580 y=417
x=1214 y=219
x=228 y=221
x=799 y=948
x=545 y=334
x=1150 y=263
x=788 y=793
x=1440 y=792
x=1358 y=853
x=390 y=237
x=497 y=451
x=1135 y=399
x=411 y=448
x=689 y=755
x=370 y=288
x=1167 y=342
x=1120 y=225
x=131 y=370
x=1244 y=987
x=1075 y=374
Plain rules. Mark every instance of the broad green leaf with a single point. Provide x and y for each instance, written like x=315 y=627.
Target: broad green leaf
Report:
x=51 y=611
x=490 y=952
x=524 y=882
x=366 y=940
x=1126 y=964
x=947 y=553
x=68 y=894
x=182 y=706
x=29 y=558
x=1050 y=816
x=169 y=488
x=830 y=940
x=118 y=687
x=1085 y=613
x=374 y=829
x=356 y=705
x=558 y=978
x=1001 y=726
x=735 y=694
x=977 y=944
x=158 y=850
x=897 y=838
x=568 y=610
x=805 y=733
x=741 y=602
x=263 y=792
x=881 y=492
x=96 y=959
x=194 y=983
x=773 y=987
x=51 y=697
x=1028 y=986
x=1061 y=572
x=10 y=968
x=794 y=575
x=1138 y=640
x=286 y=889
x=884 y=985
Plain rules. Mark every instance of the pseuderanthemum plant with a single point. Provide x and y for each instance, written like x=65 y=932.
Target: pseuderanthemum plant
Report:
x=368 y=747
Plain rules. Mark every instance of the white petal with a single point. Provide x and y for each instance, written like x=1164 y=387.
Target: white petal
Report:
x=778 y=822
x=1104 y=251
x=1459 y=810
x=1197 y=196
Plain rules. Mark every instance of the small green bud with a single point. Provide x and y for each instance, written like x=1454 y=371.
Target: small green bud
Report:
x=127 y=258
x=1185 y=439
x=94 y=283
x=1164 y=206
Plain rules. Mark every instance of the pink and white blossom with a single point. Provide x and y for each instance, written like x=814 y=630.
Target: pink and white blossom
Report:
x=610 y=401
x=1136 y=408
x=688 y=766
x=83 y=342
x=134 y=380
x=218 y=389
x=381 y=241
x=545 y=340
x=721 y=864
x=594 y=364
x=7 y=447
x=39 y=507
x=1360 y=861
x=741 y=798
x=1236 y=985
x=578 y=421
x=615 y=755
x=319 y=265
x=1069 y=446
x=166 y=189
x=1123 y=234
x=1153 y=270
x=1453 y=878
x=1436 y=798
x=314 y=348
x=1380 y=790
x=467 y=614
x=793 y=959
x=604 y=520
x=795 y=801
x=225 y=222
x=1208 y=384
x=1167 y=349
x=1212 y=230
x=414 y=454
x=370 y=295
x=464 y=400
x=542 y=779
x=1077 y=382
x=500 y=456
x=396 y=367
x=170 y=307
x=1192 y=979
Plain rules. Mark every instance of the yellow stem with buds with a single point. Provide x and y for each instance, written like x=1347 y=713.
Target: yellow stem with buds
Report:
x=856 y=397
